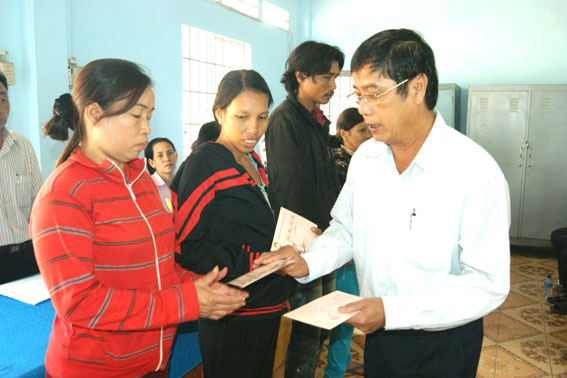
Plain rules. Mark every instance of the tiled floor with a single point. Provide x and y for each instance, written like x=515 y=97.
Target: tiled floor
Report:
x=522 y=338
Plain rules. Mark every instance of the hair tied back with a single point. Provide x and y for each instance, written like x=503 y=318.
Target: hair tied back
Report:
x=63 y=108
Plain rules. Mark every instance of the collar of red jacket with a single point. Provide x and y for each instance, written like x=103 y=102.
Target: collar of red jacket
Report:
x=133 y=169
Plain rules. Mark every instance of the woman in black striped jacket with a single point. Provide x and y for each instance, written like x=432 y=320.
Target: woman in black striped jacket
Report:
x=227 y=216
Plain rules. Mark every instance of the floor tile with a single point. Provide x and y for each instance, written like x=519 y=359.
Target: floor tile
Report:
x=509 y=365
x=551 y=264
x=554 y=322
x=516 y=260
x=533 y=350
x=491 y=324
x=561 y=335
x=531 y=289
x=486 y=342
x=516 y=277
x=536 y=271
x=487 y=362
x=516 y=300
x=506 y=328
x=532 y=315
x=557 y=355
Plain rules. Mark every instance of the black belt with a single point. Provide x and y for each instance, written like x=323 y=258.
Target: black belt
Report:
x=16 y=248
x=421 y=332
x=407 y=332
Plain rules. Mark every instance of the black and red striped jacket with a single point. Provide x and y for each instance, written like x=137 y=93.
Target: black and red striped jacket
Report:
x=223 y=219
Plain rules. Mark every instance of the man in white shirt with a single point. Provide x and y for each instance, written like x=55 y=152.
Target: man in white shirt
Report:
x=425 y=215
x=20 y=180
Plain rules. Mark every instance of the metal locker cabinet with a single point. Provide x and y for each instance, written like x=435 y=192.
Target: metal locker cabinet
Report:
x=497 y=120
x=448 y=103
x=545 y=189
x=524 y=127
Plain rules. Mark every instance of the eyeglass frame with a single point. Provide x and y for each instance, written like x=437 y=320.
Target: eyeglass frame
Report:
x=375 y=96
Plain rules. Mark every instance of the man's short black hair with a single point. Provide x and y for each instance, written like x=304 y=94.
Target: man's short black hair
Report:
x=399 y=54
x=3 y=80
x=311 y=58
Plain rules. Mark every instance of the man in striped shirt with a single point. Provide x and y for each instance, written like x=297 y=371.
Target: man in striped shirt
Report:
x=19 y=183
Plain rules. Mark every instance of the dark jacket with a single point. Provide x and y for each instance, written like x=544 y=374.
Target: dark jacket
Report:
x=342 y=161
x=301 y=168
x=223 y=219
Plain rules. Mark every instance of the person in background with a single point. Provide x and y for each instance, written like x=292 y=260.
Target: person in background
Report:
x=19 y=183
x=559 y=242
x=424 y=212
x=209 y=132
x=227 y=216
x=302 y=173
x=103 y=242
x=351 y=133
x=161 y=160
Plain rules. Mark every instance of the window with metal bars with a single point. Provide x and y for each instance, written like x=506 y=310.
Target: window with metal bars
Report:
x=206 y=58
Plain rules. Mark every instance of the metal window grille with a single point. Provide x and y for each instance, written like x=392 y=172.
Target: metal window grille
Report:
x=206 y=58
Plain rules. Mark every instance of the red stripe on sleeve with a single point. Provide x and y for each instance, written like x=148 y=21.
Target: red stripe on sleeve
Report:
x=185 y=209
x=198 y=207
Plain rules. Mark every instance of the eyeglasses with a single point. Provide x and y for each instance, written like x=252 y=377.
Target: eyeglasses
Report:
x=372 y=98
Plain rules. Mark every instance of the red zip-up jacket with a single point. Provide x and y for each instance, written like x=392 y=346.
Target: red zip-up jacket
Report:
x=105 y=248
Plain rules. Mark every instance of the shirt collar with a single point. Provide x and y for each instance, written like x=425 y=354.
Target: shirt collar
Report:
x=8 y=138
x=428 y=153
x=133 y=169
x=158 y=180
x=307 y=114
x=318 y=114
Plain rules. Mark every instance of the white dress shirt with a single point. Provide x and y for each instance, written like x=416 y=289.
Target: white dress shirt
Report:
x=163 y=190
x=20 y=180
x=432 y=242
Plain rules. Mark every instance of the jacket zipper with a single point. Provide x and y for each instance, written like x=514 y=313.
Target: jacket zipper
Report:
x=133 y=196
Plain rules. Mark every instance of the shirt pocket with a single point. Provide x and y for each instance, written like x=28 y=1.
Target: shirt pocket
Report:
x=23 y=192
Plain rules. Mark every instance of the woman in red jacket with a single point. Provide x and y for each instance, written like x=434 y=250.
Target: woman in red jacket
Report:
x=105 y=244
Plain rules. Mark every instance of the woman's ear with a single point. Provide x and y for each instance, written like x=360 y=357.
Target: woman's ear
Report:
x=93 y=112
x=219 y=114
x=151 y=163
x=342 y=133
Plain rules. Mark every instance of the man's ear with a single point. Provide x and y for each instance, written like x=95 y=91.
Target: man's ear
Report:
x=300 y=76
x=419 y=87
x=93 y=112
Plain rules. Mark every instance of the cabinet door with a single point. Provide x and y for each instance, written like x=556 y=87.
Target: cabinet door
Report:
x=446 y=106
x=545 y=193
x=497 y=121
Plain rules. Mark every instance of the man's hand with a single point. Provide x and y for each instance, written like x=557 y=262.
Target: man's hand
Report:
x=217 y=299
x=371 y=316
x=297 y=268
